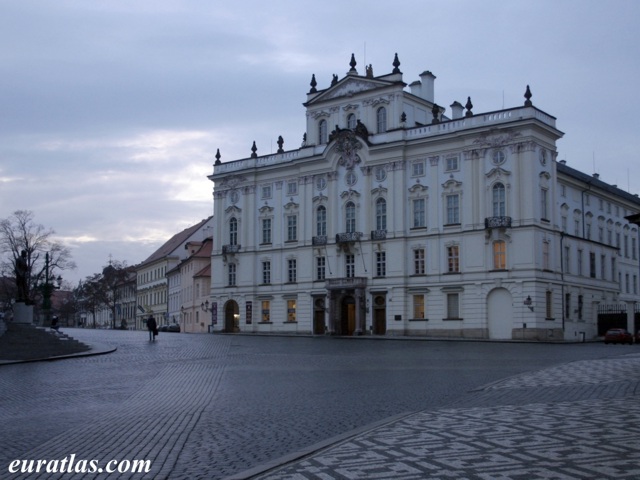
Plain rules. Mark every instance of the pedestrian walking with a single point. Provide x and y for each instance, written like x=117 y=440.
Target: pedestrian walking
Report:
x=153 y=328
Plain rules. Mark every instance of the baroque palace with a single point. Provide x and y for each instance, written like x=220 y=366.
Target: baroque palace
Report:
x=393 y=218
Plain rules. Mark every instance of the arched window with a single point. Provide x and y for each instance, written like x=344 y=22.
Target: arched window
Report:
x=351 y=121
x=381 y=119
x=381 y=214
x=499 y=205
x=322 y=132
x=233 y=231
x=321 y=220
x=350 y=217
x=499 y=255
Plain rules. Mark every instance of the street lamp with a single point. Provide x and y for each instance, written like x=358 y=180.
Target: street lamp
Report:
x=47 y=289
x=205 y=306
x=528 y=302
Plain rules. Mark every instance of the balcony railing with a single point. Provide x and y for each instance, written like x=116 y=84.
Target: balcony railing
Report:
x=346 y=282
x=319 y=240
x=230 y=249
x=348 y=237
x=497 y=222
x=378 y=234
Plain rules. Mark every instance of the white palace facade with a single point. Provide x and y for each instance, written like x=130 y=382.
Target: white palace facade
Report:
x=394 y=219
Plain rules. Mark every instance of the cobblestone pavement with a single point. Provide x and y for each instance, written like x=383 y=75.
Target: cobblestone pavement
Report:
x=575 y=421
x=211 y=406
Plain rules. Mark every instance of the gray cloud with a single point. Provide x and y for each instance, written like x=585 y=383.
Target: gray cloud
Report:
x=111 y=112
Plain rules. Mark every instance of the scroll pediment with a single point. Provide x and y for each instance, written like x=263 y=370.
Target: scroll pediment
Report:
x=233 y=210
x=498 y=172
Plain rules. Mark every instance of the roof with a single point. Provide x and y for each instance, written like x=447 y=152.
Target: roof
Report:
x=173 y=243
x=596 y=182
x=205 y=272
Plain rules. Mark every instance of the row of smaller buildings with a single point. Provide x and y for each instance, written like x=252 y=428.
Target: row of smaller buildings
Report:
x=172 y=284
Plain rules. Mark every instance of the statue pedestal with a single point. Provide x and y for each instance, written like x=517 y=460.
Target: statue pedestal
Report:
x=22 y=313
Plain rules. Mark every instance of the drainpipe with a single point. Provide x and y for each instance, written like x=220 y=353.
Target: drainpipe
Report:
x=562 y=276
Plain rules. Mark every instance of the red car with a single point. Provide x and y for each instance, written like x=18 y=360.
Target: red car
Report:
x=618 y=335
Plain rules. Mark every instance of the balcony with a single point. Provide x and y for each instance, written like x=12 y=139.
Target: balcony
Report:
x=348 y=237
x=497 y=222
x=227 y=249
x=378 y=234
x=347 y=283
x=319 y=240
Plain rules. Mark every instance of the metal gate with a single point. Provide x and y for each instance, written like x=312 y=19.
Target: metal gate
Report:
x=612 y=316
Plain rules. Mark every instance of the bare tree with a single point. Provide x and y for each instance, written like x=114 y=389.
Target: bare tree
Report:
x=91 y=295
x=19 y=232
x=114 y=278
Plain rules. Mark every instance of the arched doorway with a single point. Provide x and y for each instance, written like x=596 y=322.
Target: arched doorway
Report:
x=231 y=317
x=348 y=315
x=500 y=314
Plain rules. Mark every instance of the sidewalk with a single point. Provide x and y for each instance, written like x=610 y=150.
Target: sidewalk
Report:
x=576 y=421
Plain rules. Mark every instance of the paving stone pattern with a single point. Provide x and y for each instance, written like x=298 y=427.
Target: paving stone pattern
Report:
x=213 y=406
x=583 y=439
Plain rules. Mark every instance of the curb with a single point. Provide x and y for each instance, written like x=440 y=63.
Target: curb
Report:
x=93 y=351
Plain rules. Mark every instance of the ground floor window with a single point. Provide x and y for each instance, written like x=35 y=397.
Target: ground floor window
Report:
x=291 y=310
x=418 y=306
x=453 y=305
x=266 y=311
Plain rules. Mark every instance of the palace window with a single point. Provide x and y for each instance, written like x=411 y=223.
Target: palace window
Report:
x=453 y=209
x=453 y=305
x=499 y=205
x=233 y=231
x=453 y=259
x=321 y=263
x=419 y=213
x=351 y=121
x=292 y=270
x=232 y=274
x=321 y=220
x=350 y=266
x=418 y=261
x=266 y=272
x=291 y=310
x=418 y=307
x=381 y=120
x=499 y=255
x=266 y=230
x=322 y=132
x=350 y=217
x=381 y=264
x=292 y=228
x=266 y=311
x=381 y=214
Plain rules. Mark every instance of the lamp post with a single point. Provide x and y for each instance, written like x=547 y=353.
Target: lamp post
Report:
x=47 y=290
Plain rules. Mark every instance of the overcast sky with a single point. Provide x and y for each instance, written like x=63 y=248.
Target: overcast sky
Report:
x=111 y=111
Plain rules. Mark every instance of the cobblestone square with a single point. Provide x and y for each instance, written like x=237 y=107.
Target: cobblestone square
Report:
x=214 y=406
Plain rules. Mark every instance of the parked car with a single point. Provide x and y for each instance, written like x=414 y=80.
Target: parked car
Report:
x=618 y=335
x=173 y=327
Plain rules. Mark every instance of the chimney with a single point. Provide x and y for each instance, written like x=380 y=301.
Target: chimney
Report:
x=416 y=88
x=596 y=175
x=456 y=110
x=428 y=80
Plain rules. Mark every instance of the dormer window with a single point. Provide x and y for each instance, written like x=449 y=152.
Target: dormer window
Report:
x=322 y=132
x=381 y=119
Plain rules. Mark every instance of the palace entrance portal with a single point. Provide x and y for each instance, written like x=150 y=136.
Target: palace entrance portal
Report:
x=347 y=311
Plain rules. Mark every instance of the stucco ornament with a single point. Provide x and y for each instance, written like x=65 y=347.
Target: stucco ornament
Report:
x=347 y=145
